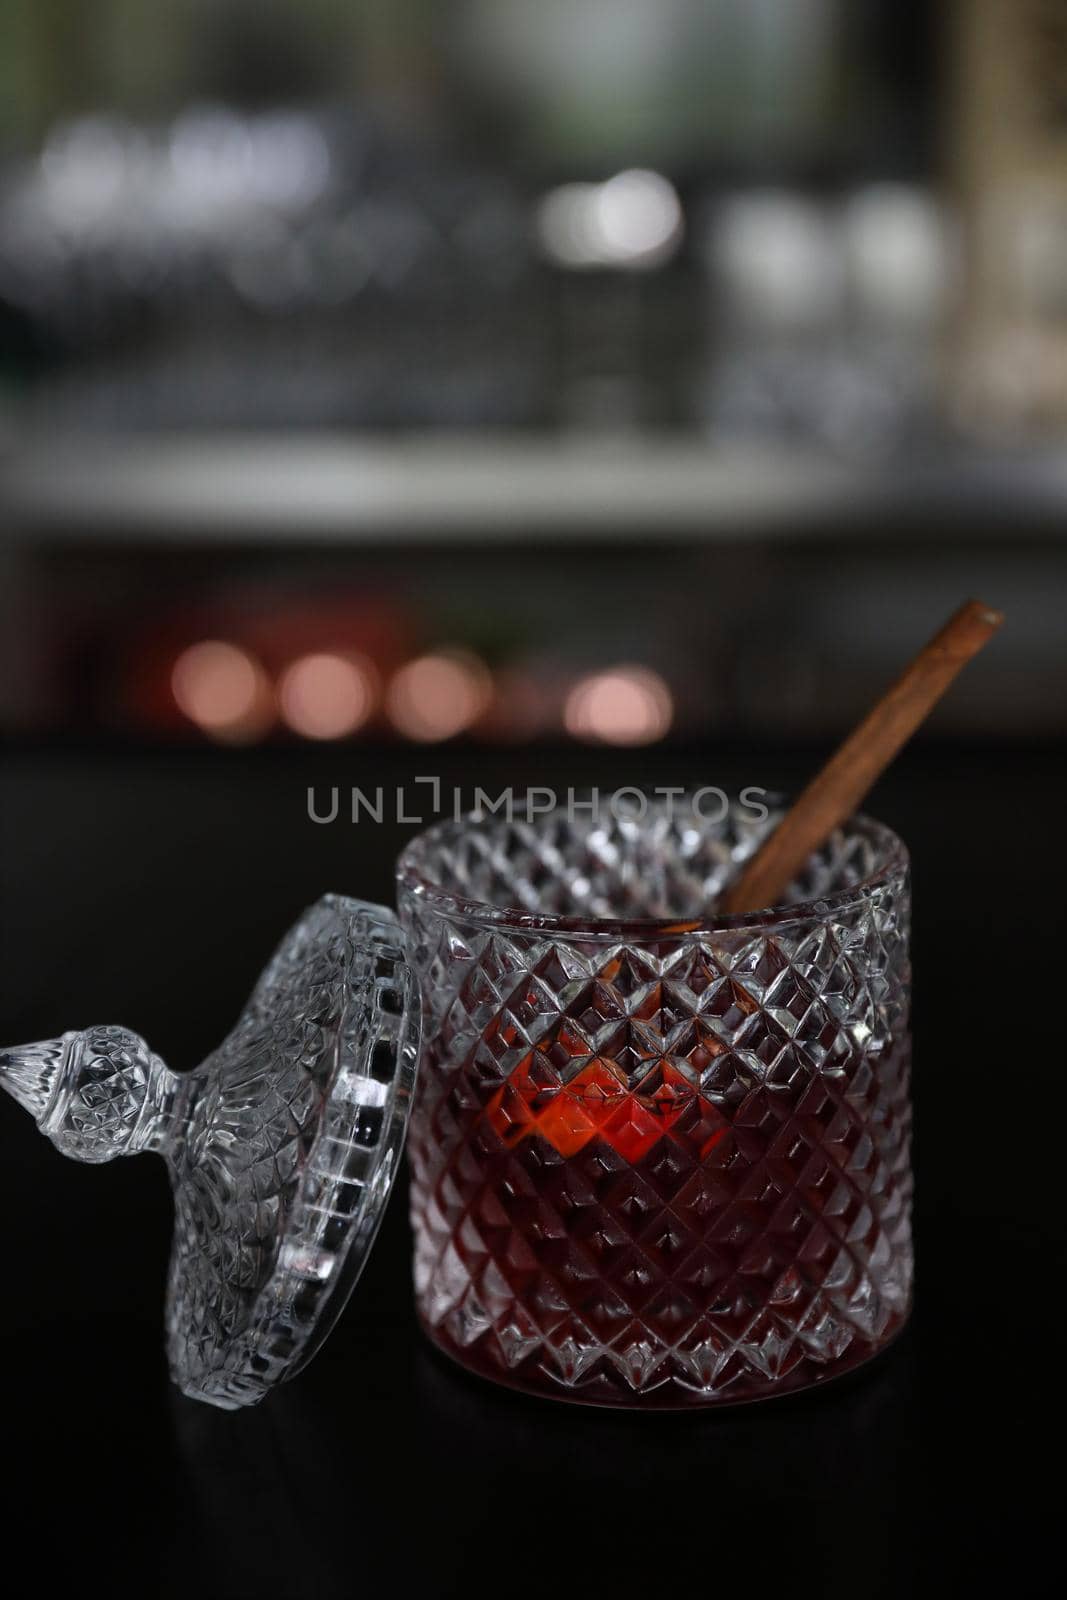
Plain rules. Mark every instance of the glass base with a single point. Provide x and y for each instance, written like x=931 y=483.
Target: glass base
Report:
x=671 y=1395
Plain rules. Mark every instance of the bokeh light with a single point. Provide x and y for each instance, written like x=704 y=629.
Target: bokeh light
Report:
x=625 y=705
x=778 y=259
x=899 y=253
x=633 y=222
x=223 y=690
x=439 y=695
x=326 y=696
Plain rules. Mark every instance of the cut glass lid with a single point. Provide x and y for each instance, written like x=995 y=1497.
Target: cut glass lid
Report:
x=282 y=1146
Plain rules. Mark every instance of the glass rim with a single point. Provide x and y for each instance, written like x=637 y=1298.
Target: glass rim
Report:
x=410 y=876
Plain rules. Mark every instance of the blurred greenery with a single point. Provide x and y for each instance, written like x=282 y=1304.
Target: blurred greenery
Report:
x=61 y=57
x=623 y=81
x=596 y=80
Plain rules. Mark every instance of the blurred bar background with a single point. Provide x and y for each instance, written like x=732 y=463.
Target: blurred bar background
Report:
x=590 y=371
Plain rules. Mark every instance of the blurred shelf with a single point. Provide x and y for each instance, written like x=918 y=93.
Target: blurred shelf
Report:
x=333 y=489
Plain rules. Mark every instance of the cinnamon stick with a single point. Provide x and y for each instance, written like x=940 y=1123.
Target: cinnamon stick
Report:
x=838 y=788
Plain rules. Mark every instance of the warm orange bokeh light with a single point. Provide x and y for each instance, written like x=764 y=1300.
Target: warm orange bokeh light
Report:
x=324 y=696
x=437 y=696
x=223 y=689
x=625 y=705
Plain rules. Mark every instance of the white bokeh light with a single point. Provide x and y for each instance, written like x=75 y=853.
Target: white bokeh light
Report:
x=633 y=222
x=778 y=259
x=899 y=255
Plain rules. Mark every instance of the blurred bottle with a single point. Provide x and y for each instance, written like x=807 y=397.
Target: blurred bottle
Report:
x=1010 y=162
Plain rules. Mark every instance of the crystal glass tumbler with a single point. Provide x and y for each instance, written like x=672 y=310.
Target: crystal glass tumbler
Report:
x=660 y=1158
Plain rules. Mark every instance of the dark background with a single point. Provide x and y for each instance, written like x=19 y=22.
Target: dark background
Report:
x=291 y=361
